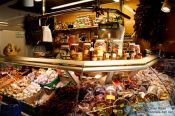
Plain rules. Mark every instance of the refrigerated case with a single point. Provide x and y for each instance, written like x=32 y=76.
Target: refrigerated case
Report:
x=110 y=87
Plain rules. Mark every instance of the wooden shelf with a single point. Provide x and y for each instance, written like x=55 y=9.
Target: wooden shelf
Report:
x=77 y=28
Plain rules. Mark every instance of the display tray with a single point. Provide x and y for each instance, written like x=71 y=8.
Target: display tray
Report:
x=29 y=105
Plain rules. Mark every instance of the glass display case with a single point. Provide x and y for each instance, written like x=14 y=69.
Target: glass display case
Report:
x=93 y=88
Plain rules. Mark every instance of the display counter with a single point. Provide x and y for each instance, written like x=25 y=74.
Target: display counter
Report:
x=67 y=87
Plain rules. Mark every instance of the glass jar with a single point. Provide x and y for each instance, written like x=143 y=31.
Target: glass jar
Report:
x=110 y=94
x=107 y=56
x=115 y=46
x=99 y=93
x=113 y=56
x=86 y=52
x=100 y=48
x=94 y=57
x=77 y=56
x=65 y=52
x=73 y=48
x=108 y=45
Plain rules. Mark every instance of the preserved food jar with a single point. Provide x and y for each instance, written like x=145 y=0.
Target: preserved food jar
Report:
x=107 y=56
x=108 y=45
x=100 y=48
x=94 y=57
x=73 y=48
x=113 y=56
x=77 y=56
x=110 y=94
x=86 y=51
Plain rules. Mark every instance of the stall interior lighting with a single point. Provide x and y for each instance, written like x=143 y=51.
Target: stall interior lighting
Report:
x=28 y=3
x=37 y=0
x=116 y=0
x=166 y=7
x=71 y=4
x=5 y=23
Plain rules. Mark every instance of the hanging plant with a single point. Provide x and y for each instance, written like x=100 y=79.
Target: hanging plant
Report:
x=150 y=21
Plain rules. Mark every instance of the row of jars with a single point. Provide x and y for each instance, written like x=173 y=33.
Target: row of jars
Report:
x=91 y=51
x=101 y=50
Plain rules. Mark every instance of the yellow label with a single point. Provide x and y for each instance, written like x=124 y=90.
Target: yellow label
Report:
x=122 y=105
x=86 y=52
x=110 y=97
x=115 y=110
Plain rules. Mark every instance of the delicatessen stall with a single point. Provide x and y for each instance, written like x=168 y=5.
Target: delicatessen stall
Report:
x=66 y=87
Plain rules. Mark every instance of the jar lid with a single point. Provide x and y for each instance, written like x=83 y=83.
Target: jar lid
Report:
x=110 y=88
x=102 y=40
x=64 y=46
x=78 y=53
x=74 y=44
x=87 y=43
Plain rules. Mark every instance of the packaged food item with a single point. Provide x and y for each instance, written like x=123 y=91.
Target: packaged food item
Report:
x=100 y=48
x=132 y=46
x=107 y=56
x=64 y=52
x=100 y=93
x=109 y=45
x=120 y=105
x=94 y=57
x=110 y=94
x=91 y=51
x=150 y=97
x=115 y=47
x=86 y=51
x=73 y=48
x=113 y=56
x=79 y=56
x=137 y=49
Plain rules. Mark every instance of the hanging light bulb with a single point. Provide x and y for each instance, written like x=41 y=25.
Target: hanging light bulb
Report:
x=28 y=3
x=166 y=7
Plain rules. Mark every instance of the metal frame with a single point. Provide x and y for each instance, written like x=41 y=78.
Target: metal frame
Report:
x=84 y=66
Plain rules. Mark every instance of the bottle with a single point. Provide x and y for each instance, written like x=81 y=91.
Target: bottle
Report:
x=91 y=51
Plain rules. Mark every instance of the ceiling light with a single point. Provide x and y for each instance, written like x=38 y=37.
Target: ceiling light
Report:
x=28 y=3
x=37 y=0
x=2 y=22
x=71 y=4
x=116 y=0
x=166 y=7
